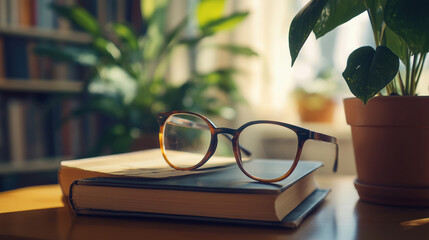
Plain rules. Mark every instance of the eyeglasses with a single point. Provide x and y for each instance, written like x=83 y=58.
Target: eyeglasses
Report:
x=188 y=140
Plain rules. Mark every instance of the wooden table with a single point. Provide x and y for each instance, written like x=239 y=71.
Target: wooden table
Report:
x=39 y=213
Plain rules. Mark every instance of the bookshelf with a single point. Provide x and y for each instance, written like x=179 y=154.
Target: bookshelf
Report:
x=58 y=35
x=36 y=92
x=40 y=86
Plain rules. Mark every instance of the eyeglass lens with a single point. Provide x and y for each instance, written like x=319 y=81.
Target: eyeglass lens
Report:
x=187 y=139
x=268 y=141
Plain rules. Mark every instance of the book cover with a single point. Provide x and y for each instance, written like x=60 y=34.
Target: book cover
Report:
x=141 y=164
x=226 y=195
x=231 y=179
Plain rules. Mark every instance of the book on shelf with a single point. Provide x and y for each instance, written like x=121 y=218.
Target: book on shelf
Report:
x=3 y=13
x=15 y=56
x=225 y=195
x=2 y=60
x=16 y=121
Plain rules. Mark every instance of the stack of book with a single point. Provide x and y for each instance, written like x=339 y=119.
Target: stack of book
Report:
x=141 y=184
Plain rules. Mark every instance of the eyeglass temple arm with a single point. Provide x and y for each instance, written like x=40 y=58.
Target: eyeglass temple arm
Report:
x=191 y=124
x=329 y=139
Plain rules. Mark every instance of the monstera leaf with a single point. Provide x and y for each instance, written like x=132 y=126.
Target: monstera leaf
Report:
x=368 y=71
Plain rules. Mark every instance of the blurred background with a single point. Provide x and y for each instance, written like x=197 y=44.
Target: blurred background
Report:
x=86 y=78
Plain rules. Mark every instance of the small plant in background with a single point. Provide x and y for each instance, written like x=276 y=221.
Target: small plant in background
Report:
x=316 y=98
x=400 y=29
x=129 y=83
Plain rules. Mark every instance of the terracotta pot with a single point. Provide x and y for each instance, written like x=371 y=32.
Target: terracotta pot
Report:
x=316 y=109
x=391 y=145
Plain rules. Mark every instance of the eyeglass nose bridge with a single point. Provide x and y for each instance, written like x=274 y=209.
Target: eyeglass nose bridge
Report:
x=227 y=132
x=230 y=131
x=231 y=134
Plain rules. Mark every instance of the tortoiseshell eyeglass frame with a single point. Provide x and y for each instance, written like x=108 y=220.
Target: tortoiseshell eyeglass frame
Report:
x=302 y=134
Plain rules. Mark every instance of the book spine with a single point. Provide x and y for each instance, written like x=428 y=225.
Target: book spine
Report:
x=2 y=62
x=13 y=16
x=26 y=18
x=4 y=130
x=16 y=58
x=16 y=116
x=30 y=129
x=62 y=70
x=71 y=198
x=40 y=130
x=33 y=62
x=52 y=137
x=120 y=10
x=111 y=9
x=77 y=131
x=134 y=15
x=3 y=13
x=45 y=16
x=101 y=12
x=66 y=130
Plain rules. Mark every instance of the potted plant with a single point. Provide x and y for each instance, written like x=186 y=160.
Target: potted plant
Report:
x=129 y=84
x=315 y=99
x=389 y=122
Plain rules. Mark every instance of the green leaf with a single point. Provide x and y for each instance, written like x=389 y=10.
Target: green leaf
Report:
x=154 y=39
x=81 y=56
x=172 y=37
x=236 y=49
x=80 y=17
x=191 y=41
x=127 y=34
x=410 y=20
x=107 y=47
x=368 y=71
x=148 y=7
x=376 y=11
x=225 y=23
x=209 y=10
x=335 y=13
x=114 y=81
x=302 y=25
x=396 y=44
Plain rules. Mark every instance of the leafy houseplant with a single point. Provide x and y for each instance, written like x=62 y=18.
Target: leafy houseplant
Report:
x=390 y=132
x=315 y=99
x=400 y=31
x=129 y=82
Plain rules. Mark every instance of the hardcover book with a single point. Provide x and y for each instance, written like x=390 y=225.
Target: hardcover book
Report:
x=226 y=195
x=140 y=164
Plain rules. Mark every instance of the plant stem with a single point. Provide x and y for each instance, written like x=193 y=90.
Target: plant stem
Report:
x=407 y=74
x=401 y=83
x=413 y=75
x=374 y=32
x=382 y=33
x=422 y=63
